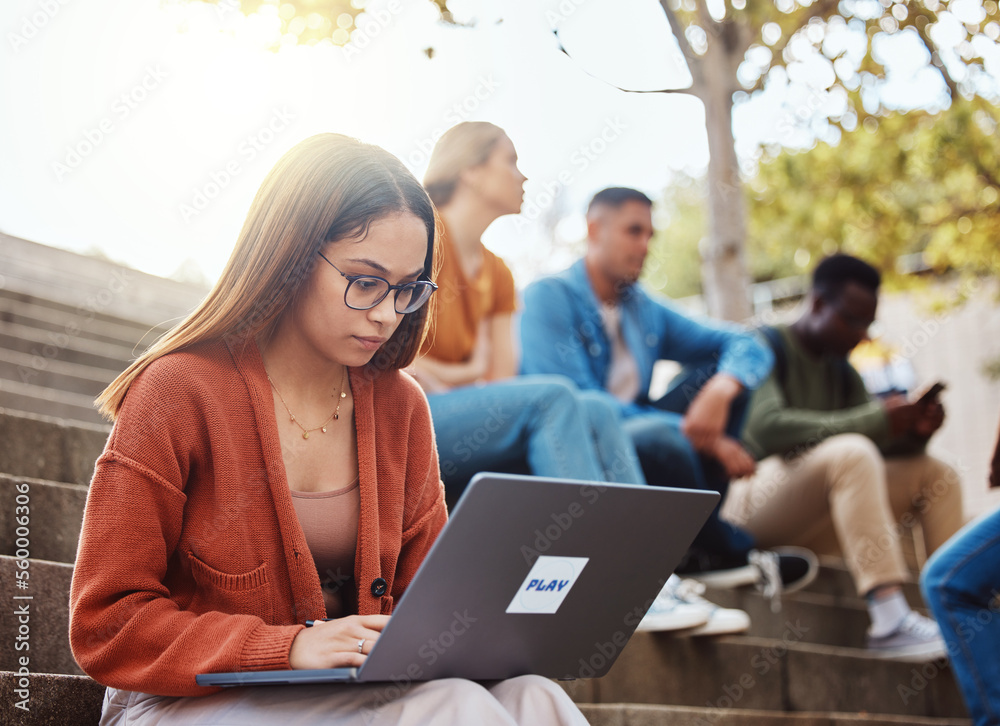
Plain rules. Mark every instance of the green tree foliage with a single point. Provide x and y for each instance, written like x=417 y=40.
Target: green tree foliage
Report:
x=904 y=186
x=834 y=54
x=673 y=266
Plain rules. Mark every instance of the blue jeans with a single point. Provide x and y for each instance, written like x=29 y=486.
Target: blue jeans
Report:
x=668 y=458
x=961 y=585
x=540 y=425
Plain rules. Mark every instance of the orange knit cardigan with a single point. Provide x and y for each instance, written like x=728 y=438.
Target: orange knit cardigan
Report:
x=191 y=557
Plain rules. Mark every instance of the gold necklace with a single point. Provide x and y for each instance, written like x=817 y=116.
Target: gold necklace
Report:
x=322 y=427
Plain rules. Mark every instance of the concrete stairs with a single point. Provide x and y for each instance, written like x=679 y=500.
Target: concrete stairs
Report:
x=70 y=323
x=799 y=666
x=803 y=665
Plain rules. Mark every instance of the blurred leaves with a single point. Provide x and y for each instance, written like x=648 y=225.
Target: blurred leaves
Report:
x=917 y=190
x=311 y=22
x=917 y=184
x=673 y=265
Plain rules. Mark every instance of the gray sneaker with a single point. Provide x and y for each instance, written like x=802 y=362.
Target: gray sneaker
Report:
x=671 y=611
x=916 y=639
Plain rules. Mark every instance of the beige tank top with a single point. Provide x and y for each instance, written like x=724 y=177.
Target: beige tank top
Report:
x=329 y=522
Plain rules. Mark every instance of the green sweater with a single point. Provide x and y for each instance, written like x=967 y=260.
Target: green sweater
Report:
x=818 y=398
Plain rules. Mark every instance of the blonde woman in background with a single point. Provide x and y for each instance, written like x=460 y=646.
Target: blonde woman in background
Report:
x=486 y=418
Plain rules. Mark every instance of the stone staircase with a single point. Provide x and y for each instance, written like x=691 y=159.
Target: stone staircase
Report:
x=803 y=665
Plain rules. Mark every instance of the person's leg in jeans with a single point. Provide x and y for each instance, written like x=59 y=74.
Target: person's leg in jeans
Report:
x=668 y=459
x=961 y=585
x=533 y=419
x=613 y=447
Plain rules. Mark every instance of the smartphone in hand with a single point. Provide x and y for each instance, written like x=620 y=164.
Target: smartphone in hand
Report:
x=931 y=394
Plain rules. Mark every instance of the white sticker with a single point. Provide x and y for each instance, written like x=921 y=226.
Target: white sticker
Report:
x=547 y=584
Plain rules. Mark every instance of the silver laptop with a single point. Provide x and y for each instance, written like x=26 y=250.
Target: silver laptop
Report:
x=529 y=576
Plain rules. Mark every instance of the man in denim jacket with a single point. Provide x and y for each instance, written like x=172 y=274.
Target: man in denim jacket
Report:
x=595 y=324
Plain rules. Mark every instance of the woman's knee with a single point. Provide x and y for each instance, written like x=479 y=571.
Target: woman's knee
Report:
x=535 y=698
x=459 y=700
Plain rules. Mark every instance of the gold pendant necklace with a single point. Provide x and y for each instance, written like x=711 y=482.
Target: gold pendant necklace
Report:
x=322 y=427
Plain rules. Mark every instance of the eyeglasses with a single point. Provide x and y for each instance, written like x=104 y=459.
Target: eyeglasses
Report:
x=366 y=291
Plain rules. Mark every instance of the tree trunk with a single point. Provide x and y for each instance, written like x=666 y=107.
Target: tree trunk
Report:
x=724 y=270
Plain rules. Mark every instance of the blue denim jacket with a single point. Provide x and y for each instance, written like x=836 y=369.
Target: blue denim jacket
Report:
x=562 y=332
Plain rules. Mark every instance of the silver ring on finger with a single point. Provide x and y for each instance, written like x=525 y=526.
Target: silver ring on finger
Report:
x=361 y=645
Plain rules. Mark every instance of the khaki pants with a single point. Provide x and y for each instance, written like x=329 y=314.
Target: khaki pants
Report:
x=884 y=516
x=525 y=700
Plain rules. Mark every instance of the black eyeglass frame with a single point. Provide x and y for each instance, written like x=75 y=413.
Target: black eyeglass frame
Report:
x=351 y=279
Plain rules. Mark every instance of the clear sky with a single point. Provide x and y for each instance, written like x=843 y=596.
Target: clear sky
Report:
x=142 y=128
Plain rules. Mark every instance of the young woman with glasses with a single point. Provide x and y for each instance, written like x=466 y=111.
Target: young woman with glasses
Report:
x=271 y=465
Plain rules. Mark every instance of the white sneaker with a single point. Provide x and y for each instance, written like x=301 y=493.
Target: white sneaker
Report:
x=668 y=612
x=917 y=639
x=721 y=621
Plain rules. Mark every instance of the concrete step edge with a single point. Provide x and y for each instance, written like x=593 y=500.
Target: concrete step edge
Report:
x=56 y=422
x=36 y=482
x=770 y=673
x=53 y=699
x=55 y=517
x=94 y=284
x=43 y=393
x=55 y=448
x=641 y=713
x=16 y=402
x=64 y=341
x=45 y=311
x=82 y=371
x=76 y=701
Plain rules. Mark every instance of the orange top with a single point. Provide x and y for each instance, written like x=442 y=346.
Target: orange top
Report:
x=462 y=303
x=191 y=558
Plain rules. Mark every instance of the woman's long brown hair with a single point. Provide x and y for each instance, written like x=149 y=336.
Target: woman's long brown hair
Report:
x=329 y=187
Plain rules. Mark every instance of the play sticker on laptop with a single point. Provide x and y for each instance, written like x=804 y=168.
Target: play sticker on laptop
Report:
x=547 y=584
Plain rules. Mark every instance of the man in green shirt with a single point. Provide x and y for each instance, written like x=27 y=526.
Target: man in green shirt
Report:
x=826 y=481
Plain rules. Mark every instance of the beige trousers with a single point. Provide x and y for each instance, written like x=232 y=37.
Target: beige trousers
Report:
x=884 y=516
x=526 y=700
